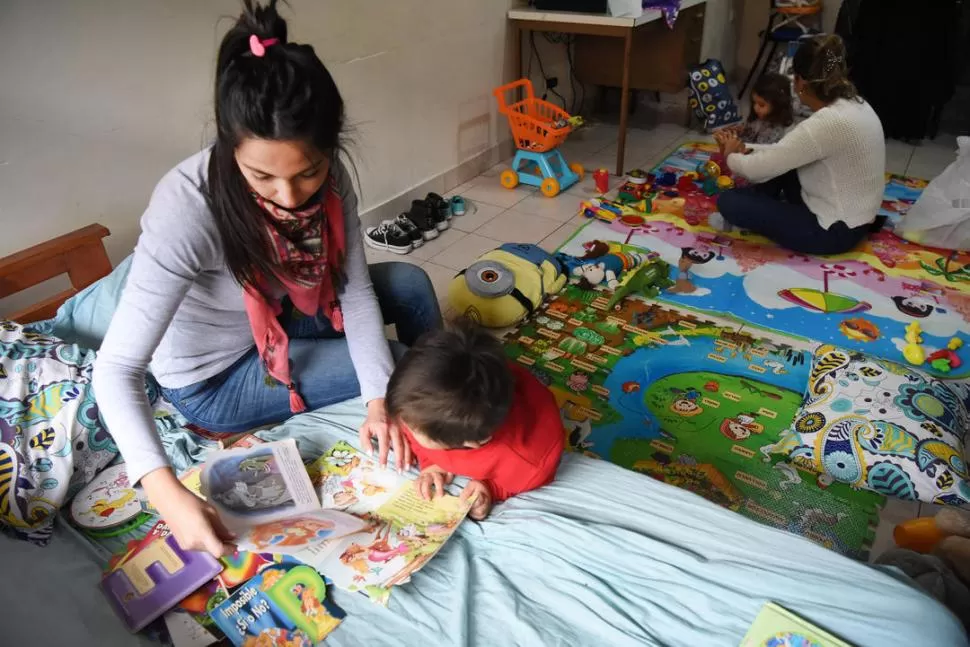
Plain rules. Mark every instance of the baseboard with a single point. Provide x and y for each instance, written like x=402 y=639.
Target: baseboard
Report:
x=441 y=183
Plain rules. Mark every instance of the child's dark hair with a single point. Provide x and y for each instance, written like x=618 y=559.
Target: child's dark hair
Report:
x=454 y=385
x=821 y=62
x=776 y=90
x=286 y=94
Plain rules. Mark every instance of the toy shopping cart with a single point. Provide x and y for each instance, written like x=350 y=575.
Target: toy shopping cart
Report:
x=538 y=128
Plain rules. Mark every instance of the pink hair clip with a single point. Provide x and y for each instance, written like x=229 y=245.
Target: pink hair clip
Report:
x=258 y=47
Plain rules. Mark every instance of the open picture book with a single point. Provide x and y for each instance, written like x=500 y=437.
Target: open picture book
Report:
x=264 y=496
x=364 y=527
x=402 y=532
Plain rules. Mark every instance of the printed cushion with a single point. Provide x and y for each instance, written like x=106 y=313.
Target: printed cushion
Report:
x=882 y=426
x=53 y=441
x=710 y=96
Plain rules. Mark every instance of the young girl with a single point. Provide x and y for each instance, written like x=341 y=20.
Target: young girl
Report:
x=771 y=110
x=249 y=291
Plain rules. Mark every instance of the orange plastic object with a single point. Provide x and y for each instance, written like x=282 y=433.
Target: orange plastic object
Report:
x=578 y=169
x=920 y=534
x=532 y=120
x=509 y=179
x=673 y=206
x=550 y=187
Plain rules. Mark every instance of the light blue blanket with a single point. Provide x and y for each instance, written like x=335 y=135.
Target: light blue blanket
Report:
x=603 y=556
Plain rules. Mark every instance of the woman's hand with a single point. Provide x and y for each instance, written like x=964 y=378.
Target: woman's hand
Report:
x=481 y=499
x=387 y=434
x=195 y=523
x=730 y=143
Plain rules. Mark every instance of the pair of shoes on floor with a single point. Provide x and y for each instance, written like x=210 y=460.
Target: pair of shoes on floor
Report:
x=399 y=236
x=409 y=230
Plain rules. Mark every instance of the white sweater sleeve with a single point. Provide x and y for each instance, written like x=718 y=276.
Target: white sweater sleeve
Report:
x=165 y=264
x=796 y=149
x=363 y=322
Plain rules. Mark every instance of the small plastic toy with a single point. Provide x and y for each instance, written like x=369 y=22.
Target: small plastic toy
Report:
x=637 y=176
x=724 y=182
x=538 y=128
x=944 y=360
x=955 y=343
x=669 y=202
x=914 y=334
x=602 y=179
x=913 y=353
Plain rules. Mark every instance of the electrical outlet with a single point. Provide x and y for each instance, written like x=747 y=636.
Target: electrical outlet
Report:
x=552 y=82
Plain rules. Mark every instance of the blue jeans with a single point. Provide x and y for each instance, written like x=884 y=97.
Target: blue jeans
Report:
x=775 y=209
x=244 y=396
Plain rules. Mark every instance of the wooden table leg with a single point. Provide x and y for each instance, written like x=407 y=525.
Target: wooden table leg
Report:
x=624 y=102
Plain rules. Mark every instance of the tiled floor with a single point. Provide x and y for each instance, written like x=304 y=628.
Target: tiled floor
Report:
x=497 y=215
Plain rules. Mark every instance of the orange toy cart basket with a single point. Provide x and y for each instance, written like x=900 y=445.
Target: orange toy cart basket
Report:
x=533 y=121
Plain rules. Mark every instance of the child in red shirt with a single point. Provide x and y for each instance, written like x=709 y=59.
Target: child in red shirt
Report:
x=468 y=411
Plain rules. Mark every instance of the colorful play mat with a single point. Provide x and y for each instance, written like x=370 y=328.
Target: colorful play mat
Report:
x=696 y=386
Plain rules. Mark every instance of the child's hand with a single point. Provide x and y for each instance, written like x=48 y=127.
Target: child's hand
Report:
x=432 y=477
x=482 y=496
x=732 y=144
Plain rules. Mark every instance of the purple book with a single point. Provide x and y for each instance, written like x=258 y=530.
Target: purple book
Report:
x=156 y=579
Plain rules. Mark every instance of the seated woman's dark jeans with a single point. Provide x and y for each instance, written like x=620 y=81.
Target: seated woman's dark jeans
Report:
x=775 y=209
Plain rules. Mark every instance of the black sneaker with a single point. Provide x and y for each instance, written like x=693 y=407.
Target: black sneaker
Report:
x=410 y=229
x=423 y=217
x=388 y=237
x=441 y=209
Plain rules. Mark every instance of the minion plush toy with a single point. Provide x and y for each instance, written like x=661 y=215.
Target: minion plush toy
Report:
x=506 y=284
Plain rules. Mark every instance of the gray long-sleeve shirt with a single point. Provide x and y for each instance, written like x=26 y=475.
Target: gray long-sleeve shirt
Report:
x=182 y=311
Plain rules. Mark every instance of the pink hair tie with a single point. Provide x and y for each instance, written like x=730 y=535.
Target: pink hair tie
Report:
x=258 y=47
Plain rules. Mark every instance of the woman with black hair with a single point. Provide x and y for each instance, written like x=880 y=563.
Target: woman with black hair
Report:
x=249 y=290
x=818 y=190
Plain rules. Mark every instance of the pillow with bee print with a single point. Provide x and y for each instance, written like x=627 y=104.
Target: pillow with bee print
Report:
x=882 y=426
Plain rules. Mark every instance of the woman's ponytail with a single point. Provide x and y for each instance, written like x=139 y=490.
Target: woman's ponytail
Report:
x=821 y=63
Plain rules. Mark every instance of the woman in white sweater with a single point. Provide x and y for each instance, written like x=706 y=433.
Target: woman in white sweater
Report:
x=818 y=190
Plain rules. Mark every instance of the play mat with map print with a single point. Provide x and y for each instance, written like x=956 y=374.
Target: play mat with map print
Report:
x=695 y=387
x=690 y=400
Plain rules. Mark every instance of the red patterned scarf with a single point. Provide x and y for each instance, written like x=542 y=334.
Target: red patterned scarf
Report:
x=309 y=246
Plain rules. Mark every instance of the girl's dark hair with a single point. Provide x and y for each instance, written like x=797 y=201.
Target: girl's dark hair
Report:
x=821 y=63
x=287 y=94
x=453 y=385
x=776 y=90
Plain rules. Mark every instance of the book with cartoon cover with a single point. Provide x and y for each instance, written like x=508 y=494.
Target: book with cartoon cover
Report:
x=776 y=626
x=402 y=533
x=285 y=604
x=264 y=495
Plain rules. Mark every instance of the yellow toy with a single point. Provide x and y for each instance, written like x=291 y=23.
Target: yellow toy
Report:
x=663 y=204
x=506 y=284
x=914 y=354
x=912 y=351
x=955 y=343
x=724 y=182
x=914 y=333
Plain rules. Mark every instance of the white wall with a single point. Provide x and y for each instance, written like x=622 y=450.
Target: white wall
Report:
x=99 y=98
